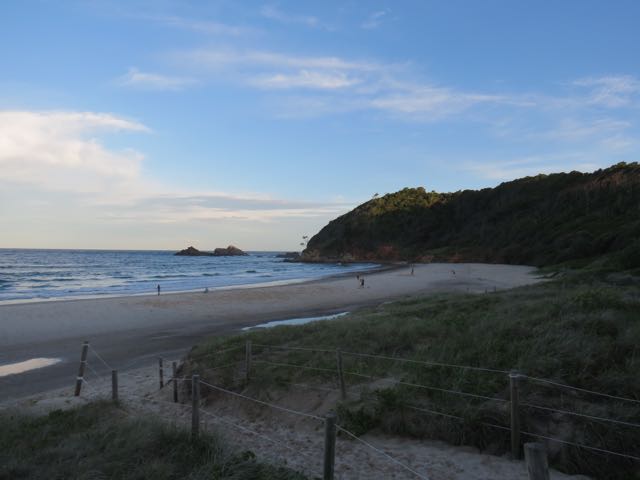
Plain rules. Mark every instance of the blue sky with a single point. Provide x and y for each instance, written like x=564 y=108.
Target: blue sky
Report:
x=159 y=124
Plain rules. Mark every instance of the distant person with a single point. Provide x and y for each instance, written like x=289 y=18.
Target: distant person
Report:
x=206 y=290
x=158 y=289
x=362 y=282
x=411 y=270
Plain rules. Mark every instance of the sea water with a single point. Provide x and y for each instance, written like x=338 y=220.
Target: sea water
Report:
x=46 y=274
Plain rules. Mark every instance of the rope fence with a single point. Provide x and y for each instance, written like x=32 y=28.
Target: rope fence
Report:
x=332 y=429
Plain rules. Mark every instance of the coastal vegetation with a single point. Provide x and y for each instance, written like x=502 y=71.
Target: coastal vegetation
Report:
x=541 y=220
x=578 y=328
x=101 y=440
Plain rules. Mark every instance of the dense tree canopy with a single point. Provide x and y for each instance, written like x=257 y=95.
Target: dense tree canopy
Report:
x=541 y=220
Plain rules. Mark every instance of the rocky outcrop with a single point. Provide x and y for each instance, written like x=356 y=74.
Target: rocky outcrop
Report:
x=230 y=251
x=193 y=252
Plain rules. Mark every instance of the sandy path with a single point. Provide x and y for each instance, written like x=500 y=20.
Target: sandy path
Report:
x=296 y=443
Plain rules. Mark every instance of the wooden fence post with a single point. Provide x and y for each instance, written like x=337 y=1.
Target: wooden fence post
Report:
x=160 y=372
x=83 y=363
x=343 y=390
x=329 y=445
x=114 y=385
x=535 y=455
x=514 y=378
x=195 y=406
x=174 y=368
x=247 y=360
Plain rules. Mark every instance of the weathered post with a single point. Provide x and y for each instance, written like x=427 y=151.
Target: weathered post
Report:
x=114 y=385
x=160 y=372
x=514 y=378
x=247 y=360
x=329 y=445
x=195 y=406
x=343 y=390
x=174 y=369
x=535 y=455
x=83 y=363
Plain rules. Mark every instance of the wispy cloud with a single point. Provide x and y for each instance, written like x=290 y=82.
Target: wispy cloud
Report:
x=611 y=91
x=204 y=26
x=306 y=79
x=432 y=100
x=532 y=165
x=274 y=13
x=374 y=20
x=368 y=84
x=134 y=78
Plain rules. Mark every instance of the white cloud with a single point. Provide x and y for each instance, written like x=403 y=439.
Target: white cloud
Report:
x=437 y=101
x=273 y=13
x=56 y=150
x=216 y=58
x=374 y=19
x=58 y=154
x=134 y=78
x=306 y=79
x=612 y=91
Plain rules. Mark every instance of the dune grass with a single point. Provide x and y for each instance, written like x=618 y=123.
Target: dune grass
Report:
x=101 y=441
x=580 y=328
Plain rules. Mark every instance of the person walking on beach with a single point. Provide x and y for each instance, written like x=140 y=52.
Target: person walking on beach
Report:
x=362 y=282
x=158 y=289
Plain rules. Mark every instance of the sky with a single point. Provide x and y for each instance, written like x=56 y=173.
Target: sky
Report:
x=163 y=124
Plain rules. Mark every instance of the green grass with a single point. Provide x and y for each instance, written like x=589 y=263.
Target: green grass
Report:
x=582 y=329
x=101 y=441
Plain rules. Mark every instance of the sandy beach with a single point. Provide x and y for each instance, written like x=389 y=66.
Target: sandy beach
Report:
x=129 y=328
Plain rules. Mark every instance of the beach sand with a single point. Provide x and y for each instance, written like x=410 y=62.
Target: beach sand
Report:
x=126 y=329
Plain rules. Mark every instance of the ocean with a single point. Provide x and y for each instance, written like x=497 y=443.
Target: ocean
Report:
x=55 y=274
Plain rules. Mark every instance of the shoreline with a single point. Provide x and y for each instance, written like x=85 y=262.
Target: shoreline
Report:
x=126 y=329
x=239 y=286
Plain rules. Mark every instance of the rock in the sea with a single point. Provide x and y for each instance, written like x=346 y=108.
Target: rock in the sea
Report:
x=230 y=251
x=193 y=252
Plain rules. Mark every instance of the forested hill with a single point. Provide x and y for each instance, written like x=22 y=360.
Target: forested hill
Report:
x=542 y=220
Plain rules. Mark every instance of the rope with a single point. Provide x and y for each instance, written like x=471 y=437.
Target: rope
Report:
x=398 y=462
x=100 y=377
x=99 y=357
x=579 y=445
x=562 y=385
x=417 y=385
x=278 y=407
x=282 y=347
x=296 y=366
x=425 y=410
x=592 y=417
x=424 y=362
x=217 y=352
x=302 y=385
x=223 y=366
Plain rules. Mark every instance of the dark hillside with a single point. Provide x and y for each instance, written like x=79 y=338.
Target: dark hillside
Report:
x=541 y=220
